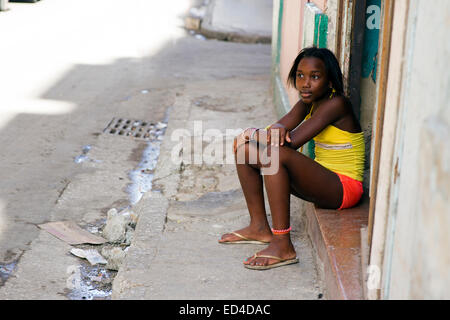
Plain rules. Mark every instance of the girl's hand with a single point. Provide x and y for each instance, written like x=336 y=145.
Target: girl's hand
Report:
x=280 y=135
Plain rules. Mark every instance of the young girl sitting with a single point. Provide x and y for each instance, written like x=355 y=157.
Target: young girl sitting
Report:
x=332 y=180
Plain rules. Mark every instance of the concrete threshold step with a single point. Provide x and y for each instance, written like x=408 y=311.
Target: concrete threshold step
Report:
x=336 y=237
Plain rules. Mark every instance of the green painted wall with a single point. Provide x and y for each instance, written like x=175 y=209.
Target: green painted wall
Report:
x=371 y=36
x=320 y=30
x=280 y=99
x=320 y=40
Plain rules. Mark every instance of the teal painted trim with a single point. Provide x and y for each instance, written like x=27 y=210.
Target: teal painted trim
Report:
x=280 y=97
x=320 y=30
x=316 y=29
x=371 y=38
x=308 y=149
x=280 y=23
x=320 y=41
x=323 y=31
x=276 y=42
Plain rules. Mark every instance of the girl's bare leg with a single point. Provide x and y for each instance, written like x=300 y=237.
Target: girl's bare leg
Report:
x=251 y=182
x=304 y=176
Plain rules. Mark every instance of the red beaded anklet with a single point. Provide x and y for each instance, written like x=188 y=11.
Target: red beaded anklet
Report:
x=282 y=231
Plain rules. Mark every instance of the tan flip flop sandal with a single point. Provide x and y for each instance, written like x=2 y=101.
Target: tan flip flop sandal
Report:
x=282 y=262
x=244 y=240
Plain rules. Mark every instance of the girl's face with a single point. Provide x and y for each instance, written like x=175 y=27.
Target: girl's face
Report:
x=312 y=80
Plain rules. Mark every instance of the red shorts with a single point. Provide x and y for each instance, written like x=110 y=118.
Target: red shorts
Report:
x=353 y=191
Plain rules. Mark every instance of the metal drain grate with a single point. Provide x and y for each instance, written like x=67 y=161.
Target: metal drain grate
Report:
x=136 y=128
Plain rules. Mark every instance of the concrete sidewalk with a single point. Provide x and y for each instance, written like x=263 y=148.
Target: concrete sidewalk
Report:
x=175 y=253
x=58 y=103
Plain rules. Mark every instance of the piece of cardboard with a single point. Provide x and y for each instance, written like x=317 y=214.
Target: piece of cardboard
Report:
x=70 y=232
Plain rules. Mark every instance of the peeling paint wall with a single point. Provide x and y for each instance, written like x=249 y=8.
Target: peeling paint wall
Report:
x=345 y=39
x=321 y=4
x=332 y=11
x=303 y=24
x=371 y=35
x=291 y=42
x=299 y=28
x=368 y=86
x=417 y=252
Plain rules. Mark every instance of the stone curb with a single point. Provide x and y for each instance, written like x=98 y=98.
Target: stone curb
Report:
x=234 y=36
x=152 y=214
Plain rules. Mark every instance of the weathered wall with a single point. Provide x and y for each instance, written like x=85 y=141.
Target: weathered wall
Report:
x=368 y=86
x=417 y=253
x=298 y=31
x=321 y=4
x=332 y=11
x=291 y=40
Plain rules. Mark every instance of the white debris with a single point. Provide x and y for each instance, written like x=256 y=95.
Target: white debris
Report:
x=78 y=252
x=91 y=255
x=116 y=226
x=94 y=257
x=200 y=37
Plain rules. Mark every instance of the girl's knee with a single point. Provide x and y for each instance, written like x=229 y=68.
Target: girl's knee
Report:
x=277 y=153
x=274 y=157
x=247 y=154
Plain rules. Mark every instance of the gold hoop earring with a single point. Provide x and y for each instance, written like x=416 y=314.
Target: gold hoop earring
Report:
x=333 y=92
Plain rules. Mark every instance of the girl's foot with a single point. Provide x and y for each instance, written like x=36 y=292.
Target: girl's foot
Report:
x=248 y=234
x=280 y=247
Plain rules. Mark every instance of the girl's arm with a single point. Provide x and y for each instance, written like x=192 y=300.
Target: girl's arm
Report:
x=287 y=123
x=329 y=112
x=296 y=115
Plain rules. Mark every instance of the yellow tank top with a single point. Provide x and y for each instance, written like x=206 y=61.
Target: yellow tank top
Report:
x=340 y=151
